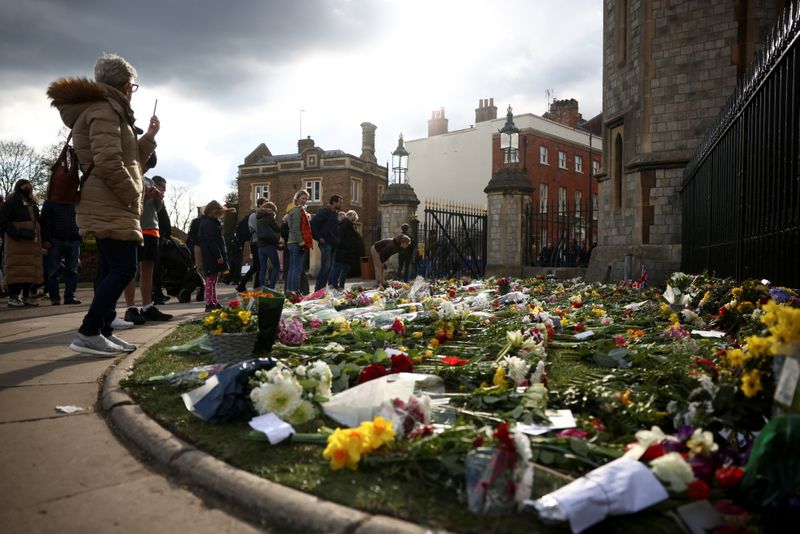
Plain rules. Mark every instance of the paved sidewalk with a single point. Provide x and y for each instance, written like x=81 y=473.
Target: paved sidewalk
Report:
x=69 y=473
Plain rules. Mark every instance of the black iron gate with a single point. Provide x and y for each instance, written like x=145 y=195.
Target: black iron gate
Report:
x=451 y=241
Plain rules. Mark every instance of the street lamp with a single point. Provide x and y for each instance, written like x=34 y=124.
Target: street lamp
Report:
x=400 y=163
x=509 y=141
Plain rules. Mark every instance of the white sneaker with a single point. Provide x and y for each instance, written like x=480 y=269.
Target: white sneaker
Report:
x=98 y=345
x=126 y=347
x=120 y=324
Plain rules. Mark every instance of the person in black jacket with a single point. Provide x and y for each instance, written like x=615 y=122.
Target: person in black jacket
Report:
x=267 y=236
x=165 y=233
x=325 y=229
x=212 y=249
x=194 y=251
x=22 y=256
x=405 y=255
x=61 y=239
x=348 y=251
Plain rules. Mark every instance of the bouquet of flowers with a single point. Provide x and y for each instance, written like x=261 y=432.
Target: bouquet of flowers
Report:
x=232 y=319
x=291 y=394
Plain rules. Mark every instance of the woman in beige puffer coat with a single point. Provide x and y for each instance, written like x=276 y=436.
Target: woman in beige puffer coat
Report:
x=109 y=149
x=103 y=134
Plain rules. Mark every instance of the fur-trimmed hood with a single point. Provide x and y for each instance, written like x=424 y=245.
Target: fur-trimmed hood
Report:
x=71 y=96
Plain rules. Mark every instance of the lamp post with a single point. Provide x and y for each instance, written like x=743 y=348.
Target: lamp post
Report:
x=400 y=163
x=509 y=141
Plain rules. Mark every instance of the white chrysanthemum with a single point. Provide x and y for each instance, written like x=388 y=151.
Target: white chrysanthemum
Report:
x=447 y=310
x=321 y=372
x=304 y=413
x=300 y=370
x=334 y=347
x=517 y=369
x=281 y=398
x=279 y=372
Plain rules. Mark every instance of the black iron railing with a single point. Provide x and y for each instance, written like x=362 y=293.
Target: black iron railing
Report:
x=741 y=190
x=558 y=236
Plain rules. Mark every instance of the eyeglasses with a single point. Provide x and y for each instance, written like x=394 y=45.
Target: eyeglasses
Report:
x=134 y=87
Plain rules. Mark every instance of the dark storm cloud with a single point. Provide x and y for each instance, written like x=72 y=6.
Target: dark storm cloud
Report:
x=205 y=47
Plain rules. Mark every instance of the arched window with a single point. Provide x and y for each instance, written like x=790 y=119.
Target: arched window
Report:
x=618 y=171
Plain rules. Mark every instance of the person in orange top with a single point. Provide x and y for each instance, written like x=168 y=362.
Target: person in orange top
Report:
x=154 y=200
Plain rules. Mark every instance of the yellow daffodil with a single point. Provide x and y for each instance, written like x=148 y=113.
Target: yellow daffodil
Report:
x=209 y=320
x=599 y=312
x=223 y=315
x=377 y=432
x=344 y=448
x=416 y=335
x=218 y=331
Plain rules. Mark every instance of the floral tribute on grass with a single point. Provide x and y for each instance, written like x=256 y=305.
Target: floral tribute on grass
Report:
x=566 y=373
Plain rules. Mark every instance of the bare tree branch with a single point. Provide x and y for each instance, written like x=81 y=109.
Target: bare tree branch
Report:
x=19 y=161
x=181 y=206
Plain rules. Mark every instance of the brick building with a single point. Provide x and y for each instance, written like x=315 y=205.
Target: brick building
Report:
x=457 y=165
x=668 y=68
x=560 y=161
x=360 y=180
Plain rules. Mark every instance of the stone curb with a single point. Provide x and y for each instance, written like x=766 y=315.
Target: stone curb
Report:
x=267 y=503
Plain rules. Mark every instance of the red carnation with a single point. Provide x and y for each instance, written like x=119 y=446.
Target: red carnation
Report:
x=401 y=363
x=371 y=372
x=698 y=490
x=234 y=303
x=453 y=361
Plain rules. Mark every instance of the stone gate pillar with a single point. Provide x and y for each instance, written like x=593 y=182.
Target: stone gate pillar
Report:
x=398 y=205
x=508 y=199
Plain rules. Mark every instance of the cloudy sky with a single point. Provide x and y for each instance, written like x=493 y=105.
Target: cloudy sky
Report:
x=229 y=75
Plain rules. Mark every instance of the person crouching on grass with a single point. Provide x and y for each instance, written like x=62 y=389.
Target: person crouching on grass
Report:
x=212 y=249
x=384 y=249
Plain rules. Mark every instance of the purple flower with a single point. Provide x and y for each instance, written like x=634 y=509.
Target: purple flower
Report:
x=703 y=466
x=779 y=295
x=291 y=332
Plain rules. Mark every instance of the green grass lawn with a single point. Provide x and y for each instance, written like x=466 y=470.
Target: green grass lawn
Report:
x=382 y=489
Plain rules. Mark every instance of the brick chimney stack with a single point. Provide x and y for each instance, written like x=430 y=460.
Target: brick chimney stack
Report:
x=303 y=144
x=368 y=142
x=437 y=124
x=486 y=110
x=565 y=112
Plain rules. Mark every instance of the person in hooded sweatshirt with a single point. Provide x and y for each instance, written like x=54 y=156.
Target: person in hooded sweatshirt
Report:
x=109 y=146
